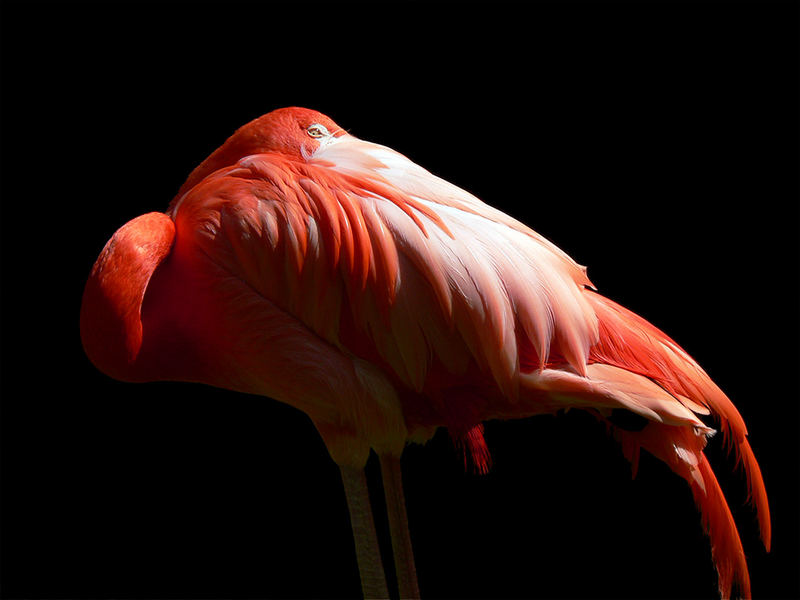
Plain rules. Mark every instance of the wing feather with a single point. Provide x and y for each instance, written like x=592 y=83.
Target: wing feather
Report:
x=440 y=267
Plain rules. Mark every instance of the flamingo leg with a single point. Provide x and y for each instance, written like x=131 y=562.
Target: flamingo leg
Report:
x=370 y=567
x=398 y=527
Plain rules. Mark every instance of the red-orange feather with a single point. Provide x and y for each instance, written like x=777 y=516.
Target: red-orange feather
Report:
x=630 y=342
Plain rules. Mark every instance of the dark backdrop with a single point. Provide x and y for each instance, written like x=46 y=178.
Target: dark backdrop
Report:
x=655 y=142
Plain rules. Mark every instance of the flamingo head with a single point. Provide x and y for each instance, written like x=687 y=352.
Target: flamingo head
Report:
x=293 y=131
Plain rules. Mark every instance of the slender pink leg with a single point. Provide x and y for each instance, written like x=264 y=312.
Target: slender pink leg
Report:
x=370 y=567
x=398 y=527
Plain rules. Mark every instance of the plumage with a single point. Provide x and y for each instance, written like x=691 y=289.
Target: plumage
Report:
x=337 y=276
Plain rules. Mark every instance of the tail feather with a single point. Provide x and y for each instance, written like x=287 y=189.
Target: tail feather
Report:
x=682 y=450
x=633 y=366
x=629 y=342
x=726 y=547
x=757 y=493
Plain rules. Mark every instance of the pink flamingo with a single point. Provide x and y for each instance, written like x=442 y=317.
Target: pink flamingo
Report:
x=335 y=275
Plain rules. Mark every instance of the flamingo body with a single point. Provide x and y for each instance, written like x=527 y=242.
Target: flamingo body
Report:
x=335 y=275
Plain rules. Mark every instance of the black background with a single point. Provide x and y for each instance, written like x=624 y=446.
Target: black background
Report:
x=656 y=143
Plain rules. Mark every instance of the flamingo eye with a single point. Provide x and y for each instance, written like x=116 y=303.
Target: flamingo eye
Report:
x=317 y=131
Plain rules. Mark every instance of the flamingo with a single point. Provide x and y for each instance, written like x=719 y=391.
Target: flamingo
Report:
x=333 y=274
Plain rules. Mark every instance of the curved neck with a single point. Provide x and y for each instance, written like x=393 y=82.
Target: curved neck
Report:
x=111 y=323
